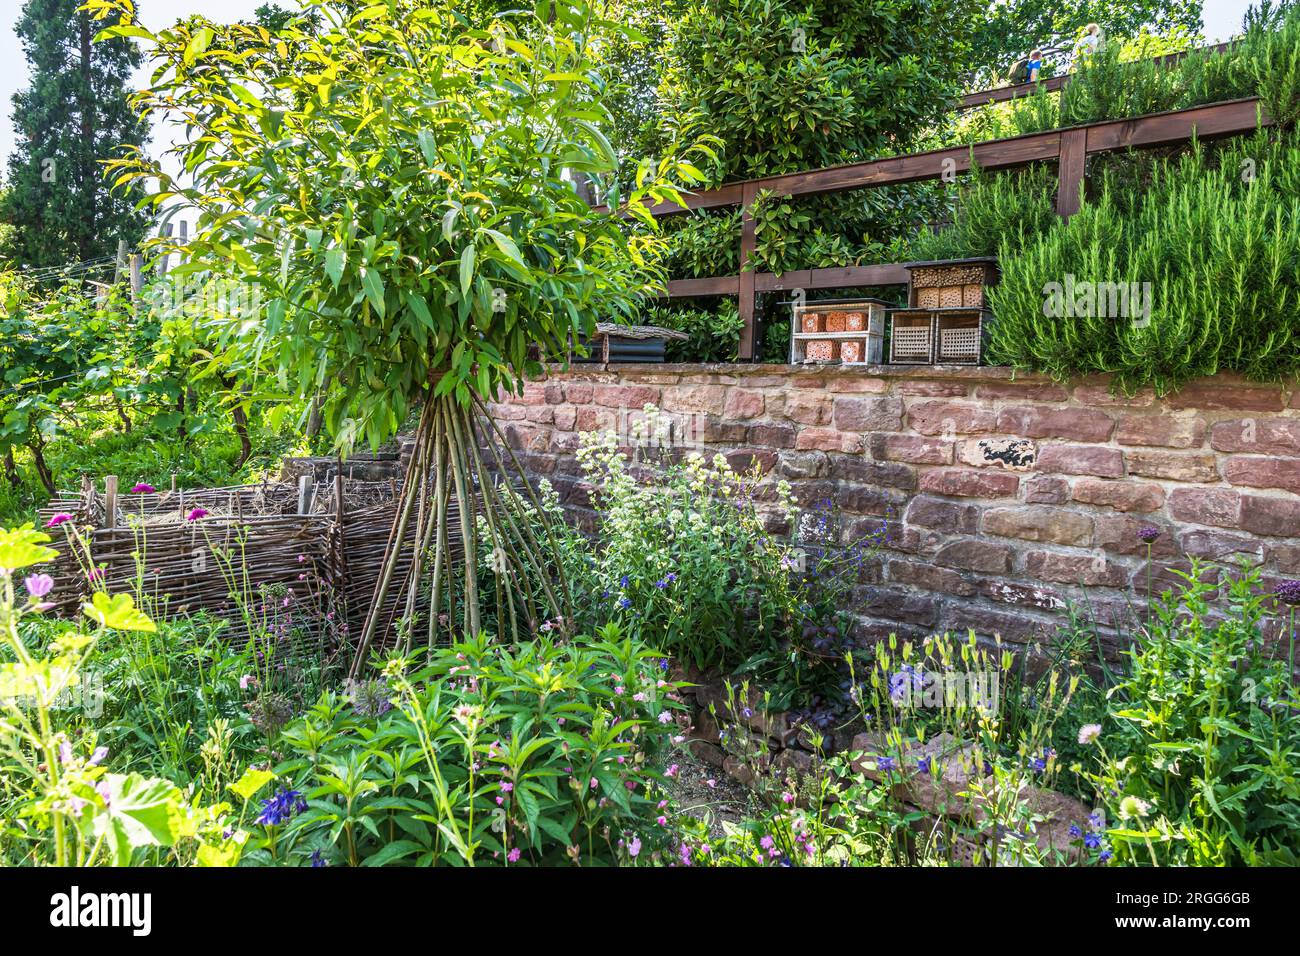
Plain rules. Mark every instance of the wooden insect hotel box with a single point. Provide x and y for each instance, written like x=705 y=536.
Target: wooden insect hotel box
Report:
x=946 y=314
x=844 y=331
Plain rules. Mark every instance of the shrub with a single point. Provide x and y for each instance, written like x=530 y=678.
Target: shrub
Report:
x=1213 y=234
x=685 y=563
x=714 y=334
x=546 y=752
x=1202 y=743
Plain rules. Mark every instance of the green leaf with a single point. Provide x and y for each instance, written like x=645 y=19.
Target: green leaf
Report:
x=23 y=547
x=118 y=612
x=467 y=258
x=373 y=284
x=335 y=259
x=140 y=812
x=252 y=781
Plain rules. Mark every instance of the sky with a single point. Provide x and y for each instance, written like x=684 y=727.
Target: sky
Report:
x=1222 y=18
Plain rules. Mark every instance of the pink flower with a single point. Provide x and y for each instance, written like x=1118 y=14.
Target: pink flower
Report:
x=712 y=783
x=662 y=821
x=513 y=855
x=38 y=585
x=246 y=680
x=665 y=717
x=671 y=771
x=507 y=787
x=787 y=798
x=634 y=847
x=99 y=754
x=96 y=574
x=142 y=488
x=197 y=513
x=57 y=520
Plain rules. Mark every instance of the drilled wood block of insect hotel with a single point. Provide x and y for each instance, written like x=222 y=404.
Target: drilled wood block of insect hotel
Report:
x=836 y=321
x=951 y=283
x=855 y=322
x=812 y=322
x=822 y=350
x=851 y=351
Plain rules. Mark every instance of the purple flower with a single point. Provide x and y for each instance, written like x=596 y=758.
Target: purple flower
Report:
x=57 y=520
x=885 y=764
x=1149 y=533
x=625 y=603
x=143 y=488
x=196 y=514
x=1289 y=592
x=99 y=754
x=38 y=585
x=922 y=764
x=634 y=847
x=281 y=807
x=317 y=859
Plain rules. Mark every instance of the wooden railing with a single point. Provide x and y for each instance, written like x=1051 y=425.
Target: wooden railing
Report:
x=1069 y=148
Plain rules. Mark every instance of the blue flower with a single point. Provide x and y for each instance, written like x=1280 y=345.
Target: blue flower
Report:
x=281 y=807
x=661 y=584
x=625 y=603
x=1075 y=831
x=885 y=763
x=317 y=859
x=922 y=764
x=622 y=582
x=671 y=577
x=1092 y=841
x=1105 y=856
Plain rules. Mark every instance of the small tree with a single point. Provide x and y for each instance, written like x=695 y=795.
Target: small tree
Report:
x=397 y=185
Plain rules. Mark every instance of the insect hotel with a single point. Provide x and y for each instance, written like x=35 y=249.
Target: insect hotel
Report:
x=846 y=331
x=943 y=323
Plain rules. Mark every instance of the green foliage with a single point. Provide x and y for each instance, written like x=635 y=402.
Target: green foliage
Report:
x=422 y=231
x=1011 y=29
x=686 y=564
x=714 y=334
x=1202 y=742
x=72 y=118
x=544 y=753
x=993 y=211
x=1215 y=237
x=60 y=802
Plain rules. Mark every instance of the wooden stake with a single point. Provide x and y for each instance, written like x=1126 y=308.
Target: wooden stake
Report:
x=110 y=501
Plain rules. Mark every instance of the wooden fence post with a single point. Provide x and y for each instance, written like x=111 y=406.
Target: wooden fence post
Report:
x=137 y=277
x=748 y=242
x=110 y=501
x=1070 y=167
x=304 y=493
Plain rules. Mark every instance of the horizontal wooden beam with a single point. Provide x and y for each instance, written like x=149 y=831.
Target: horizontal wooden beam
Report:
x=717 y=285
x=1157 y=129
x=839 y=277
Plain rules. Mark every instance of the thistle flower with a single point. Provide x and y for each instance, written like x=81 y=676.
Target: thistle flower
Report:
x=1149 y=533
x=197 y=513
x=143 y=488
x=57 y=520
x=1289 y=592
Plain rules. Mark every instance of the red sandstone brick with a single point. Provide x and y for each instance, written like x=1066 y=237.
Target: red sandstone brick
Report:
x=771 y=436
x=975 y=555
x=939 y=515
x=963 y=616
x=695 y=398
x=1023 y=595
x=1102 y=395
x=1029 y=392
x=1258 y=436
x=868 y=414
x=934 y=389
x=1046 y=490
x=743 y=460
x=1172 y=466
x=969 y=483
x=1075 y=424
x=1120 y=495
x=827 y=439
x=1212 y=506
x=742 y=403
x=579 y=393
x=1219 y=546
x=1039 y=523
x=1093 y=460
x=910 y=448
x=1161 y=430
x=1285 y=557
x=1214 y=394
x=950 y=418
x=1283 y=473
x=927 y=577
x=1271 y=516
x=566 y=417
x=1083 y=570
x=807 y=408
x=1119 y=534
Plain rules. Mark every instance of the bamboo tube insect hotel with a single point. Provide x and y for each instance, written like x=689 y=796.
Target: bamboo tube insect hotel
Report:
x=845 y=331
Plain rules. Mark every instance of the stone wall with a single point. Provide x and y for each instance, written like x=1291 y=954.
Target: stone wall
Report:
x=1005 y=495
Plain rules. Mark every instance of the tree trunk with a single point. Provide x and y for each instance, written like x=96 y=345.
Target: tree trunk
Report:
x=11 y=468
x=122 y=416
x=42 y=469
x=86 y=237
x=240 y=419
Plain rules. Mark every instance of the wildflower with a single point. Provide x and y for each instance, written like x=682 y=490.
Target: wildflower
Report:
x=661 y=584
x=1092 y=841
x=1075 y=831
x=766 y=843
x=143 y=488
x=625 y=603
x=634 y=847
x=787 y=798
x=514 y=855
x=99 y=754
x=1089 y=733
x=57 y=520
x=1149 y=533
x=671 y=577
x=96 y=574
x=197 y=513
x=1105 y=856
x=922 y=764
x=246 y=680
x=1131 y=807
x=65 y=753
x=507 y=787
x=38 y=585
x=622 y=582
x=281 y=808
x=711 y=783
x=661 y=820
x=317 y=859
x=671 y=771
x=885 y=763
x=1289 y=592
